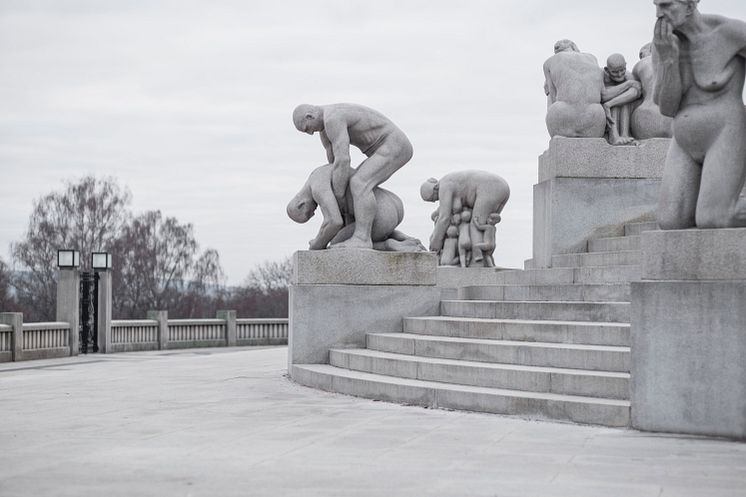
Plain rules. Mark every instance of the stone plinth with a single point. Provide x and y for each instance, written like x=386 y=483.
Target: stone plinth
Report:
x=689 y=333
x=337 y=296
x=590 y=189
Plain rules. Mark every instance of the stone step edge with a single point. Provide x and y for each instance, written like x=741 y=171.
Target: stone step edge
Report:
x=603 y=252
x=487 y=365
x=541 y=302
x=536 y=322
x=512 y=343
x=436 y=395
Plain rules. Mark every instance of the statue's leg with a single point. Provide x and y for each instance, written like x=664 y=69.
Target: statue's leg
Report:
x=719 y=204
x=679 y=189
x=343 y=234
x=372 y=172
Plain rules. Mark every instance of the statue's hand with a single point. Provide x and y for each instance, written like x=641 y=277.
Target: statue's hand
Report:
x=666 y=42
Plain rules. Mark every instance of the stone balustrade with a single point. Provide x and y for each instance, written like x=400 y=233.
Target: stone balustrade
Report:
x=24 y=341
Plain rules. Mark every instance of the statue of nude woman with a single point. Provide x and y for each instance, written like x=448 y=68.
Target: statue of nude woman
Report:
x=573 y=85
x=700 y=64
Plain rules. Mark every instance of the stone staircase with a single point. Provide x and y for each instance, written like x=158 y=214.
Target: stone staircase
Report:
x=538 y=343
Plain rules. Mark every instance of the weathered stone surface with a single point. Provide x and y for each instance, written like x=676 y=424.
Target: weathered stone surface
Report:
x=337 y=296
x=363 y=267
x=688 y=368
x=323 y=317
x=694 y=254
x=595 y=158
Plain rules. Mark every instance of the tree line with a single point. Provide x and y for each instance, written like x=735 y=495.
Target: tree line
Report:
x=158 y=263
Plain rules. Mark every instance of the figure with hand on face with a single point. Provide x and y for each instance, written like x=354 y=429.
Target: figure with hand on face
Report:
x=700 y=64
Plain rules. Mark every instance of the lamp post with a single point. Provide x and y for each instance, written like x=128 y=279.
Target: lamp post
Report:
x=68 y=294
x=101 y=263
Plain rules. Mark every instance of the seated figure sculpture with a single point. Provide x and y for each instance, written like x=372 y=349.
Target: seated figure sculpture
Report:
x=700 y=64
x=647 y=120
x=619 y=92
x=482 y=192
x=573 y=85
x=387 y=149
x=335 y=229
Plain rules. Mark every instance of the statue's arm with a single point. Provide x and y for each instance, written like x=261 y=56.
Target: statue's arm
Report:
x=336 y=132
x=668 y=89
x=549 y=89
x=443 y=221
x=327 y=147
x=332 y=222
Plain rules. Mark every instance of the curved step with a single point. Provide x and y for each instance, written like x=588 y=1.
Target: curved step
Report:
x=553 y=310
x=637 y=228
x=604 y=384
x=581 y=332
x=570 y=275
x=597 y=259
x=612 y=292
x=533 y=405
x=558 y=355
x=614 y=243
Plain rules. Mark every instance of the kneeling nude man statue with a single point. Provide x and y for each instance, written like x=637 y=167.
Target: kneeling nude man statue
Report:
x=317 y=192
x=482 y=192
x=700 y=63
x=385 y=145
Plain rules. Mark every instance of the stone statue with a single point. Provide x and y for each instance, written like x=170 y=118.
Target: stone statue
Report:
x=647 y=120
x=619 y=92
x=464 y=238
x=387 y=149
x=573 y=85
x=487 y=247
x=477 y=194
x=699 y=65
x=335 y=229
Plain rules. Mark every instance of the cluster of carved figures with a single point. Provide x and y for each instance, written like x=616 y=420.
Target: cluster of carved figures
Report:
x=585 y=101
x=688 y=85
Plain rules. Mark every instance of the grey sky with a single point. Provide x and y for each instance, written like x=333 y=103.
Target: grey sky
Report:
x=188 y=103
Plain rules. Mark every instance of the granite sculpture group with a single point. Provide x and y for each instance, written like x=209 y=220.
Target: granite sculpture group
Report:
x=687 y=86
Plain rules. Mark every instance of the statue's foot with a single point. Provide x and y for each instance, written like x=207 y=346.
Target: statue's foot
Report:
x=353 y=243
x=622 y=140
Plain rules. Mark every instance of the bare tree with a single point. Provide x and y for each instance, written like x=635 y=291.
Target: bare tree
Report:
x=156 y=268
x=264 y=293
x=87 y=215
x=6 y=301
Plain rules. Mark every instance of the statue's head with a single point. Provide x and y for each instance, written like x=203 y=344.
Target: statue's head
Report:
x=494 y=218
x=676 y=12
x=452 y=231
x=616 y=68
x=565 y=46
x=466 y=215
x=429 y=190
x=303 y=206
x=646 y=51
x=308 y=118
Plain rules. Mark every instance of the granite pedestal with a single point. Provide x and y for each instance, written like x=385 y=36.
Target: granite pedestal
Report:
x=590 y=189
x=689 y=333
x=339 y=295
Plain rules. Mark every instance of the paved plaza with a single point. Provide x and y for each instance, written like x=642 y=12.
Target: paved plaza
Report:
x=220 y=422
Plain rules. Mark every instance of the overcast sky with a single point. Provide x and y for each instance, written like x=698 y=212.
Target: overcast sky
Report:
x=188 y=103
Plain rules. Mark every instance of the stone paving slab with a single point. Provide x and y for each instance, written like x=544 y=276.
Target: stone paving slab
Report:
x=223 y=422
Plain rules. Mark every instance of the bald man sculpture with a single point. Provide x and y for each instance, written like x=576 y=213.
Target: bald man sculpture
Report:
x=700 y=63
x=619 y=92
x=387 y=149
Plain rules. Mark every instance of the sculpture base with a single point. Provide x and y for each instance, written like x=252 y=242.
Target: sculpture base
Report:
x=590 y=189
x=337 y=296
x=689 y=333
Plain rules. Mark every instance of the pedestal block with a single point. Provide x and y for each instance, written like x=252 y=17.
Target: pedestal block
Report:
x=339 y=295
x=689 y=333
x=590 y=189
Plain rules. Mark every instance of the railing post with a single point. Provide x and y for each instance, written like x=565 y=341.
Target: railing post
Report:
x=68 y=303
x=103 y=313
x=15 y=321
x=230 y=327
x=162 y=318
